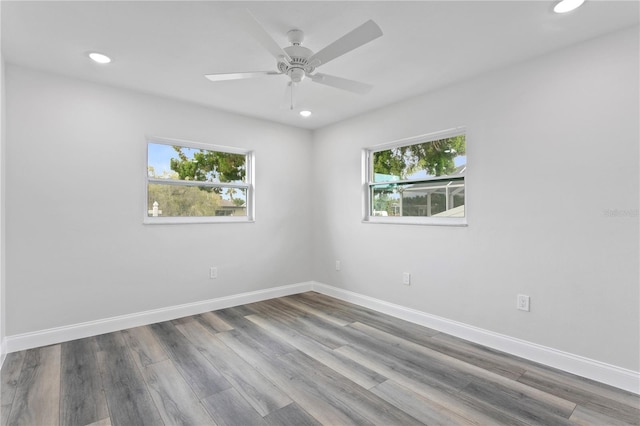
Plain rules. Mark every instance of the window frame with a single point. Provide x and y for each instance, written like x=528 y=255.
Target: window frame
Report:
x=249 y=185
x=368 y=182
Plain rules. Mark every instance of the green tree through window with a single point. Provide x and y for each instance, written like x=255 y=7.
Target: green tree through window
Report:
x=435 y=158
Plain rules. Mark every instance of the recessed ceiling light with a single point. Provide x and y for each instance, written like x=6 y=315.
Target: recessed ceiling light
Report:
x=567 y=6
x=99 y=58
x=305 y=113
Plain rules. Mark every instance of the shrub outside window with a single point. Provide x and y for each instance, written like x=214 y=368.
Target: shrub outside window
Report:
x=419 y=180
x=189 y=182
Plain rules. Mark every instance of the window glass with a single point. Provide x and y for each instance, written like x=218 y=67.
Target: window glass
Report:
x=423 y=179
x=440 y=198
x=185 y=163
x=194 y=182
x=195 y=201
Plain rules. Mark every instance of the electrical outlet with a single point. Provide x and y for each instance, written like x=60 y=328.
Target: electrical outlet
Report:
x=338 y=265
x=523 y=302
x=406 y=278
x=213 y=272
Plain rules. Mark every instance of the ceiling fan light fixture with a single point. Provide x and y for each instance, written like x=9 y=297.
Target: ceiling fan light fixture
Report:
x=567 y=6
x=99 y=58
x=296 y=74
x=305 y=113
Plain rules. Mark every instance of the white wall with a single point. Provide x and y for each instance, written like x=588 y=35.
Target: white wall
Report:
x=552 y=146
x=75 y=244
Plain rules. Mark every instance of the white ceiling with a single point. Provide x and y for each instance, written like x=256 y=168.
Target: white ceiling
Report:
x=165 y=48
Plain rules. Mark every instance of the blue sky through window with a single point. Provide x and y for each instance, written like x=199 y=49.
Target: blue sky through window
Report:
x=160 y=155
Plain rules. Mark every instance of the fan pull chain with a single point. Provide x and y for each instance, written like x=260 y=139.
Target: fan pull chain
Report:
x=292 y=86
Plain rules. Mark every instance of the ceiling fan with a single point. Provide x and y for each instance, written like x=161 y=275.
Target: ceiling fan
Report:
x=298 y=62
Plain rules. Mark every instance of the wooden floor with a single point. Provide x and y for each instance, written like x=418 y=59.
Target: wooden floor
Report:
x=300 y=360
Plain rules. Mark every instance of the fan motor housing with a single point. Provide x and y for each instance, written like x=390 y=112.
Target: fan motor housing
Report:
x=299 y=65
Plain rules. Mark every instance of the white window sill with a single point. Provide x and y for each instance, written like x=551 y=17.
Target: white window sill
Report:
x=414 y=220
x=195 y=220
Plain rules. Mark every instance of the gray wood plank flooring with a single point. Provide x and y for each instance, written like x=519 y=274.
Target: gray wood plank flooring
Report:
x=127 y=394
x=37 y=397
x=82 y=400
x=306 y=359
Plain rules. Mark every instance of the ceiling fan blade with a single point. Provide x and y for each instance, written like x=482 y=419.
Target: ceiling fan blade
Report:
x=257 y=31
x=341 y=83
x=239 y=75
x=362 y=35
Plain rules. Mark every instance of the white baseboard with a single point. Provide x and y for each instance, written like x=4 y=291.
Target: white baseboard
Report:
x=605 y=373
x=595 y=370
x=93 y=328
x=3 y=351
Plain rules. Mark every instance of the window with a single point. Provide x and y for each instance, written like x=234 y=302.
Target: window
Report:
x=197 y=183
x=419 y=180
